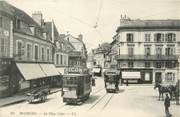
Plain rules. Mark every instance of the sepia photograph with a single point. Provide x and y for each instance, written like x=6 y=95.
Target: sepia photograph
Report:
x=89 y=58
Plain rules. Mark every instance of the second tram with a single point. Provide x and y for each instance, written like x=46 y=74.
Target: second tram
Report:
x=111 y=80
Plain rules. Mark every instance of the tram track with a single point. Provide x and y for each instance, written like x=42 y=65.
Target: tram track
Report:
x=98 y=91
x=107 y=102
x=97 y=102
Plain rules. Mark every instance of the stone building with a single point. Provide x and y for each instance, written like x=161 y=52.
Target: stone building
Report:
x=99 y=55
x=149 y=50
x=78 y=51
x=26 y=51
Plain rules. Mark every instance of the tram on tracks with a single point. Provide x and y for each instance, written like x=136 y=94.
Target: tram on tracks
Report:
x=76 y=85
x=111 y=80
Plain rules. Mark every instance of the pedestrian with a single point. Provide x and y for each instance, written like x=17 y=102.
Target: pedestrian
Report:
x=127 y=83
x=167 y=105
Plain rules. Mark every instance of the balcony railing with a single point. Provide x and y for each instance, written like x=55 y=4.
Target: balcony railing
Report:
x=144 y=57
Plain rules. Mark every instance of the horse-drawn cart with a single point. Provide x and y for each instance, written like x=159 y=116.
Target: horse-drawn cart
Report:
x=38 y=95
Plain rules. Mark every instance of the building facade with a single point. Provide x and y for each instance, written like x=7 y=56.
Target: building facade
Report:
x=100 y=55
x=149 y=49
x=77 y=52
x=26 y=51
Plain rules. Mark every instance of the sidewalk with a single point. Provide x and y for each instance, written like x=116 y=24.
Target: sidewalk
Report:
x=20 y=97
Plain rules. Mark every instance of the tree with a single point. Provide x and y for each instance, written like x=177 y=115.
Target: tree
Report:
x=105 y=46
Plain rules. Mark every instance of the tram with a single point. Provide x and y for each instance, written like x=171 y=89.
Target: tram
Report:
x=111 y=80
x=76 y=85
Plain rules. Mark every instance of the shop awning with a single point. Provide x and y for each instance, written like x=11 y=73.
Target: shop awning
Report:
x=60 y=70
x=30 y=71
x=49 y=69
x=131 y=75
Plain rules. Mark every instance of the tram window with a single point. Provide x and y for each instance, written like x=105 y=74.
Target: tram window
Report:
x=87 y=79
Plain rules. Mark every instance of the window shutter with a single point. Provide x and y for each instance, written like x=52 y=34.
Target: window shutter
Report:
x=162 y=37
x=166 y=37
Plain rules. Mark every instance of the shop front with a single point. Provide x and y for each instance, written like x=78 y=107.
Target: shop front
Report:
x=39 y=74
x=137 y=75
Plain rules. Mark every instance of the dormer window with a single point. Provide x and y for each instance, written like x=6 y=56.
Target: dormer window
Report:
x=44 y=35
x=62 y=46
x=18 y=23
x=38 y=32
x=57 y=45
x=32 y=30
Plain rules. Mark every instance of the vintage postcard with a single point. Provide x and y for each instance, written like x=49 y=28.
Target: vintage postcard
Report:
x=89 y=58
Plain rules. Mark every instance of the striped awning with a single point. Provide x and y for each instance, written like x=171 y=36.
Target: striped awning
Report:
x=32 y=71
x=49 y=69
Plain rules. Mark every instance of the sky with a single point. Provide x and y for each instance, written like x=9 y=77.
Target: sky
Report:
x=80 y=16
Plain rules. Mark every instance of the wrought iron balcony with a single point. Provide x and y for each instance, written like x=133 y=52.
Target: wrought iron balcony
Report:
x=148 y=57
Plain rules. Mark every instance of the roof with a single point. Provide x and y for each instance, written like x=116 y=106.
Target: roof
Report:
x=48 y=28
x=149 y=24
x=14 y=12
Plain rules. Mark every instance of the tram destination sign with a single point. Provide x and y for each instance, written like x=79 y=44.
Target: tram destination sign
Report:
x=76 y=70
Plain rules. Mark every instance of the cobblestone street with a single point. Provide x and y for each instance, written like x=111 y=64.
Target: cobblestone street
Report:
x=131 y=101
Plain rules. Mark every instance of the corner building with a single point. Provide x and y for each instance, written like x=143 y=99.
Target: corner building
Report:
x=149 y=50
x=26 y=57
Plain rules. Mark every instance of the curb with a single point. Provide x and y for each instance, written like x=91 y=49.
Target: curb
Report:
x=22 y=100
x=15 y=102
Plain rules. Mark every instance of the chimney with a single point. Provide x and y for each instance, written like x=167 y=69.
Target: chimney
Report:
x=38 y=17
x=80 y=36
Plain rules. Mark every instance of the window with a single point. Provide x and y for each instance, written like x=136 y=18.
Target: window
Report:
x=18 y=24
x=28 y=50
x=169 y=51
x=61 y=59
x=147 y=51
x=129 y=37
x=170 y=37
x=130 y=64
x=1 y=22
x=147 y=37
x=62 y=46
x=64 y=59
x=57 y=58
x=170 y=64
x=19 y=48
x=48 y=54
x=158 y=64
x=147 y=64
x=169 y=76
x=36 y=52
x=42 y=54
x=130 y=51
x=158 y=51
x=158 y=37
x=3 y=47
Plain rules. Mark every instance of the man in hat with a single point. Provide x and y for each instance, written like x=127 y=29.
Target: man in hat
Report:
x=167 y=105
